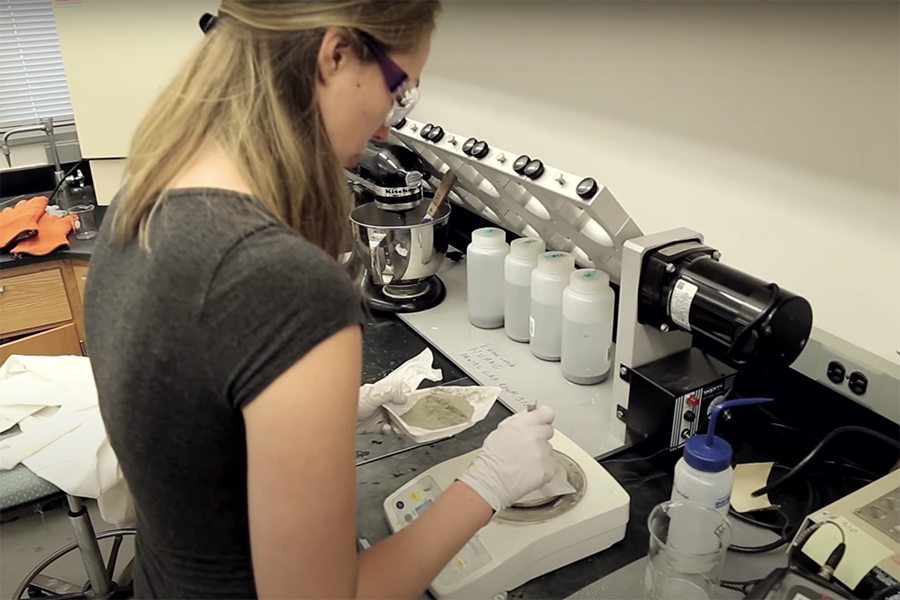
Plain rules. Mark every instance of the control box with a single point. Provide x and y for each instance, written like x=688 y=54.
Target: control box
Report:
x=671 y=399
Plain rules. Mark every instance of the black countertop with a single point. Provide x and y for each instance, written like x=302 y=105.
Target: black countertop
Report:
x=384 y=463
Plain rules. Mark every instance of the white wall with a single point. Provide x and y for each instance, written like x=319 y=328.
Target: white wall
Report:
x=26 y=155
x=771 y=127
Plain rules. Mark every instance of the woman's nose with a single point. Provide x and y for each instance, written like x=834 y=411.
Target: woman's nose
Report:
x=382 y=134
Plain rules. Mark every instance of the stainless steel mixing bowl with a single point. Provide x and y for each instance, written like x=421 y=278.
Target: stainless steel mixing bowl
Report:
x=400 y=248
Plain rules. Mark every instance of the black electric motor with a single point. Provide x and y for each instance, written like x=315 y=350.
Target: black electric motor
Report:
x=732 y=315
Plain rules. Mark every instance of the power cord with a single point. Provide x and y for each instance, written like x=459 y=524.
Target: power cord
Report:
x=826 y=571
x=743 y=587
x=888 y=592
x=815 y=451
x=62 y=181
x=638 y=459
x=785 y=532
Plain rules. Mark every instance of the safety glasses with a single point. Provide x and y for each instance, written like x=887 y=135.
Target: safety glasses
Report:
x=404 y=90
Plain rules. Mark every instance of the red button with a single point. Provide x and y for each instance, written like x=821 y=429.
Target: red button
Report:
x=693 y=401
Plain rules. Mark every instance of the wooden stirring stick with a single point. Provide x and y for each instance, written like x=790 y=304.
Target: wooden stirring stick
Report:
x=441 y=193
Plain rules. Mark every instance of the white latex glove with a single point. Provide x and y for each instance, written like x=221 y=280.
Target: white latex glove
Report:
x=516 y=459
x=396 y=387
x=370 y=414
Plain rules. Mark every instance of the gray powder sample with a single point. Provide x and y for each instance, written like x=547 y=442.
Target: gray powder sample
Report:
x=438 y=411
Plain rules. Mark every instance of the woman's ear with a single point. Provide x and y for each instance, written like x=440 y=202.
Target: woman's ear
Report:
x=334 y=53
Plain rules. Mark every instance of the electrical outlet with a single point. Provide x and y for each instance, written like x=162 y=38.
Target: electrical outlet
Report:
x=855 y=373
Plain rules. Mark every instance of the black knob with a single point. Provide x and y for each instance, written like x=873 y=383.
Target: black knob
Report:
x=436 y=133
x=426 y=129
x=534 y=169
x=586 y=188
x=467 y=146
x=689 y=416
x=401 y=124
x=480 y=150
x=521 y=162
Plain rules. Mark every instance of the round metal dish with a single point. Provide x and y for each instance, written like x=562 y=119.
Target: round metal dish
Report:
x=558 y=506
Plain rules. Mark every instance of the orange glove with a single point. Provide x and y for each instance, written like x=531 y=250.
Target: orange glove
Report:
x=52 y=234
x=21 y=221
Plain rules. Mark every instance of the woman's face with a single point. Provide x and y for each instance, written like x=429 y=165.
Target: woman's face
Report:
x=354 y=97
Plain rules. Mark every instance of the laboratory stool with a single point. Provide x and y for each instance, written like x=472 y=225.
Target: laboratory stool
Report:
x=19 y=488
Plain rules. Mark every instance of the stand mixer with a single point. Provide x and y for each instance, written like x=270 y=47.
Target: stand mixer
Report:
x=401 y=247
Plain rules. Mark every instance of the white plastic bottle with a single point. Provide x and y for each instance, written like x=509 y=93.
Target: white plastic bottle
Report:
x=548 y=282
x=520 y=262
x=484 y=277
x=704 y=474
x=588 y=310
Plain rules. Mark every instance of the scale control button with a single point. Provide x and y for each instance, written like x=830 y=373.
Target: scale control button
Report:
x=408 y=517
x=426 y=129
x=460 y=563
x=468 y=144
x=436 y=134
x=414 y=496
x=427 y=488
x=400 y=504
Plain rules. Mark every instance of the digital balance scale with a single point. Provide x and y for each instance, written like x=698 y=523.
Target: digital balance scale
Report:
x=520 y=544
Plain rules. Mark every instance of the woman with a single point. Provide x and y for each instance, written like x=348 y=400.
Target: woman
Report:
x=224 y=337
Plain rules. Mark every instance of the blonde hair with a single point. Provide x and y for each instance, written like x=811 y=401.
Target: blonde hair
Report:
x=250 y=87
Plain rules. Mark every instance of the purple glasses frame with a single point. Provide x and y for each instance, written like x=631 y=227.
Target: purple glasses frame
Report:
x=394 y=76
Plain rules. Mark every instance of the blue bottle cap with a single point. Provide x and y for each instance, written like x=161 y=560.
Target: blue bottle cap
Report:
x=709 y=459
x=710 y=453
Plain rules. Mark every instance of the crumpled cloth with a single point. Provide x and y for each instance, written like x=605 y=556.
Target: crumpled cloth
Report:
x=557 y=486
x=53 y=399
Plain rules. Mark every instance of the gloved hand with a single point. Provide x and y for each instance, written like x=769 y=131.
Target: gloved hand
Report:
x=370 y=414
x=516 y=459
x=396 y=387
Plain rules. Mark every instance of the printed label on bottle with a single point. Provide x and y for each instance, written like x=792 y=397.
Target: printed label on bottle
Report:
x=531 y=327
x=680 y=301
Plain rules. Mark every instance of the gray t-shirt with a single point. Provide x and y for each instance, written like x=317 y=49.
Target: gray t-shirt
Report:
x=180 y=339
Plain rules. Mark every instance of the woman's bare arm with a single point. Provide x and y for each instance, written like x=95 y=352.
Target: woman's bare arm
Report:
x=302 y=492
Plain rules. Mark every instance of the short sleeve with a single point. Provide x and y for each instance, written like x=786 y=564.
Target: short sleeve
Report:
x=273 y=298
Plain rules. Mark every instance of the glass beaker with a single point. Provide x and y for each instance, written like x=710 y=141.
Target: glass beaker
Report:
x=83 y=221
x=688 y=544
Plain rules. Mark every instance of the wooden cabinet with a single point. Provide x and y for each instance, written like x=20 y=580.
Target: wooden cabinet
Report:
x=32 y=301
x=81 y=275
x=53 y=342
x=45 y=300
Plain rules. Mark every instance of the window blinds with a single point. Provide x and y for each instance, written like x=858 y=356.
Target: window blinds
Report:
x=32 y=78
